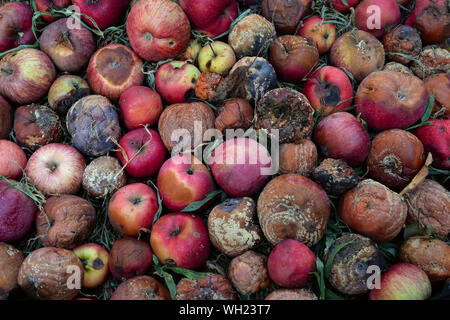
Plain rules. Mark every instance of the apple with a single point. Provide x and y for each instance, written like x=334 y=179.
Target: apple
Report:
x=12 y=160
x=69 y=48
x=343 y=6
x=15 y=25
x=158 y=29
x=217 y=57
x=141 y=152
x=113 y=69
x=65 y=91
x=46 y=6
x=56 y=169
x=183 y=179
x=403 y=281
x=192 y=51
x=175 y=81
x=130 y=257
x=132 y=208
x=6 y=118
x=329 y=89
x=26 y=76
x=180 y=240
x=95 y=260
x=240 y=166
x=213 y=17
x=140 y=106
x=291 y=263
x=105 y=13
x=323 y=34
x=293 y=57
x=17 y=212
x=389 y=16
x=341 y=136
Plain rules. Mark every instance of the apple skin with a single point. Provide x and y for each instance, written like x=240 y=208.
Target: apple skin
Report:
x=6 y=118
x=95 y=260
x=217 y=57
x=212 y=17
x=183 y=179
x=132 y=207
x=17 y=213
x=106 y=13
x=69 y=48
x=403 y=281
x=291 y=263
x=140 y=106
x=389 y=16
x=15 y=25
x=435 y=139
x=26 y=76
x=341 y=136
x=56 y=169
x=158 y=29
x=341 y=7
x=191 y=52
x=180 y=239
x=46 y=6
x=329 y=89
x=323 y=35
x=234 y=167
x=175 y=81
x=65 y=91
x=151 y=156
x=12 y=160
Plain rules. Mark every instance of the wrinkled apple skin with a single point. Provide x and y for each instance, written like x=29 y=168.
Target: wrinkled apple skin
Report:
x=15 y=25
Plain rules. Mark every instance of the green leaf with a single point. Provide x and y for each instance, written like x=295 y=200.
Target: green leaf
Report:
x=196 y=205
x=345 y=2
x=320 y=278
x=333 y=254
x=332 y=296
x=187 y=273
x=429 y=110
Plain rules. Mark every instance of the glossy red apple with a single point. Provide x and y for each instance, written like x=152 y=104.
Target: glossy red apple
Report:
x=95 y=260
x=46 y=6
x=389 y=16
x=12 y=160
x=106 y=13
x=323 y=34
x=183 y=179
x=341 y=136
x=158 y=29
x=343 y=6
x=15 y=25
x=181 y=240
x=56 y=169
x=329 y=89
x=132 y=208
x=212 y=17
x=140 y=106
x=141 y=152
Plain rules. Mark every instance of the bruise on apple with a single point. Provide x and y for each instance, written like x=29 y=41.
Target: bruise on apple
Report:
x=292 y=294
x=115 y=65
x=288 y=111
x=65 y=91
x=284 y=14
x=335 y=176
x=130 y=257
x=210 y=287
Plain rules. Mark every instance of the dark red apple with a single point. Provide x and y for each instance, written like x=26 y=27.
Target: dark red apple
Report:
x=366 y=16
x=181 y=240
x=15 y=25
x=141 y=152
x=46 y=6
x=343 y=6
x=323 y=34
x=106 y=13
x=12 y=160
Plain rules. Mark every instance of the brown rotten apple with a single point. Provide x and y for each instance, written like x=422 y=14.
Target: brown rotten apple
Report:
x=70 y=48
x=248 y=272
x=113 y=69
x=158 y=29
x=141 y=288
x=10 y=261
x=26 y=75
x=403 y=40
x=284 y=14
x=65 y=91
x=298 y=158
x=210 y=287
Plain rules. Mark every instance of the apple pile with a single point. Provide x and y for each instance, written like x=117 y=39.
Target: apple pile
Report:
x=134 y=149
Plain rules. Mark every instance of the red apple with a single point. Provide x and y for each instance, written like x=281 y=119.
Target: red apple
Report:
x=141 y=152
x=291 y=264
x=106 y=13
x=323 y=34
x=15 y=25
x=12 y=160
x=212 y=17
x=132 y=208
x=140 y=106
x=366 y=16
x=183 y=179
x=241 y=166
x=6 y=118
x=158 y=29
x=56 y=169
x=341 y=136
x=175 y=81
x=95 y=260
x=343 y=6
x=403 y=281
x=436 y=139
x=181 y=240
x=113 y=69
x=26 y=76
x=17 y=212
x=329 y=89
x=130 y=257
x=46 y=6
x=69 y=48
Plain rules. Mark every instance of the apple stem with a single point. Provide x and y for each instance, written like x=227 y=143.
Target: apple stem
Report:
x=212 y=49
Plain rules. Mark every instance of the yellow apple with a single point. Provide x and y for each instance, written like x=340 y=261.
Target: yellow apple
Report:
x=217 y=57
